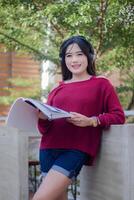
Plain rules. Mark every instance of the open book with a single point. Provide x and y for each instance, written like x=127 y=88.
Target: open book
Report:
x=23 y=114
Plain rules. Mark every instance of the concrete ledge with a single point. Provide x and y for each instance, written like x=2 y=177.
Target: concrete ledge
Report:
x=13 y=164
x=112 y=177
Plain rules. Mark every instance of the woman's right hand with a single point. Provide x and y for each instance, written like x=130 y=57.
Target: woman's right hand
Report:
x=41 y=115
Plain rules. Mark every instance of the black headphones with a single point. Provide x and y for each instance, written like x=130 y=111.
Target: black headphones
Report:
x=73 y=39
x=91 y=53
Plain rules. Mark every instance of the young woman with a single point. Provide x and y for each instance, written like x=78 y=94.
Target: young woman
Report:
x=68 y=144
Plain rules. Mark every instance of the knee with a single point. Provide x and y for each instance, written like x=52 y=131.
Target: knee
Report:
x=36 y=197
x=39 y=197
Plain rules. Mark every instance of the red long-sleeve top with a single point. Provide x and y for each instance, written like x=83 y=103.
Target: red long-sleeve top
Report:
x=93 y=97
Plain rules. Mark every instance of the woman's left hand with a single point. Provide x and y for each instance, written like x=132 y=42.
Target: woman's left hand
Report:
x=81 y=120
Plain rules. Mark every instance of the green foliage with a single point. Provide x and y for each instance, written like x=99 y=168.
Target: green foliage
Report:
x=40 y=26
x=20 y=87
x=107 y=61
x=33 y=22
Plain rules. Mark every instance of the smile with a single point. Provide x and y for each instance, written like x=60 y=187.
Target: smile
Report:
x=77 y=66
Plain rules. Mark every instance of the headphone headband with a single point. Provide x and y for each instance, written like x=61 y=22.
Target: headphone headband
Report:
x=75 y=39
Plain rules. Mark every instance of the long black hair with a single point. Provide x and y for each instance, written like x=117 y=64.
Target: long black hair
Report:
x=86 y=48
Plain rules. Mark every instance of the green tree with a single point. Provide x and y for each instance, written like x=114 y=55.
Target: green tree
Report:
x=39 y=26
x=20 y=87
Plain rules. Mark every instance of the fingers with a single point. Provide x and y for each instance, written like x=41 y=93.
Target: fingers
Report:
x=41 y=115
x=82 y=120
x=74 y=118
x=77 y=121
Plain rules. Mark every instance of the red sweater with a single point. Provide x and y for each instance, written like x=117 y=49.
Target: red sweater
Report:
x=93 y=97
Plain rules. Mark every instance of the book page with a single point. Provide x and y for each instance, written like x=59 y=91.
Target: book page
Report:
x=50 y=112
x=23 y=113
x=22 y=116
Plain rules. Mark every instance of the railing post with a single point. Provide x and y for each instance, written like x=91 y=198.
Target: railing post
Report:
x=13 y=164
x=112 y=176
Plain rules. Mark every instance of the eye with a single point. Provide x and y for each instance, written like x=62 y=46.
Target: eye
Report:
x=79 y=54
x=68 y=55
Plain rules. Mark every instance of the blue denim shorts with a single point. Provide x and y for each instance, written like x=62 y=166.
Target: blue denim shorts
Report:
x=68 y=162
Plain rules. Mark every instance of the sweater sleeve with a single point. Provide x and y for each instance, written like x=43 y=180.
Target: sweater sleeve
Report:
x=113 y=112
x=43 y=126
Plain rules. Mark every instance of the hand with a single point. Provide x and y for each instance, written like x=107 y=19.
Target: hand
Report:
x=41 y=115
x=81 y=120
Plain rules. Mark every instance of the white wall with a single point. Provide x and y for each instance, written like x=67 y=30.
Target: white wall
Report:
x=112 y=177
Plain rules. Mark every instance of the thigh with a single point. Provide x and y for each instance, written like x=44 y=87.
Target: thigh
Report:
x=53 y=186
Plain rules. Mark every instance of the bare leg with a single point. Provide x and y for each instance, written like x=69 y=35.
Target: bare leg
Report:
x=53 y=187
x=63 y=196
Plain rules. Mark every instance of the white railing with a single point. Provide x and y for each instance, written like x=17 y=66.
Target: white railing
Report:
x=129 y=113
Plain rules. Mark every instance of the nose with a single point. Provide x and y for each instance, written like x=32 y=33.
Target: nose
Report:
x=74 y=59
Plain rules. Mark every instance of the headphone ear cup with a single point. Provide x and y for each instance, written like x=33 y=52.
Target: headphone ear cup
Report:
x=92 y=56
x=60 y=56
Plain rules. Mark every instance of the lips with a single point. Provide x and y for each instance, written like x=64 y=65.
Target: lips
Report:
x=77 y=66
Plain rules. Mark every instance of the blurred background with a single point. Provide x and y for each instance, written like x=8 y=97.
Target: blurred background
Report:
x=31 y=32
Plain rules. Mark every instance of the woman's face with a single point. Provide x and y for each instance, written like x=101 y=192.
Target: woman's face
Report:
x=76 y=61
